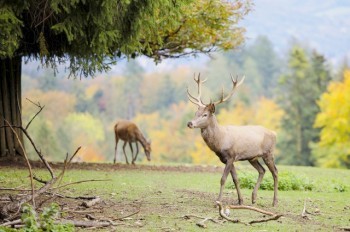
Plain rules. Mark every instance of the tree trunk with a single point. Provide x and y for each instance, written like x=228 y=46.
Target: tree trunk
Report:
x=10 y=106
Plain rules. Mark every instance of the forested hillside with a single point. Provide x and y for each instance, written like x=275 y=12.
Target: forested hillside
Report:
x=282 y=93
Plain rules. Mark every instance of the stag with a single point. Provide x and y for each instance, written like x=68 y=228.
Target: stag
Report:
x=234 y=143
x=130 y=133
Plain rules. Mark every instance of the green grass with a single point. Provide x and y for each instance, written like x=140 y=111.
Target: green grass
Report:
x=164 y=197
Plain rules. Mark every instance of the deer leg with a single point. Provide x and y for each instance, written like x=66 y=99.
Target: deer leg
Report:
x=255 y=163
x=272 y=167
x=227 y=169
x=137 y=152
x=115 y=154
x=236 y=182
x=126 y=158
x=132 y=153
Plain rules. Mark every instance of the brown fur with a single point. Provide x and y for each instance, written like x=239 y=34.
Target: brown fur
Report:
x=130 y=133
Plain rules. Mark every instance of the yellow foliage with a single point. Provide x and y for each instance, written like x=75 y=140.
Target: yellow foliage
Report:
x=265 y=112
x=57 y=104
x=333 y=149
x=202 y=154
x=89 y=154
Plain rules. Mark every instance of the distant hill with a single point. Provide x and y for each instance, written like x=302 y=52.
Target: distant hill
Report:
x=323 y=25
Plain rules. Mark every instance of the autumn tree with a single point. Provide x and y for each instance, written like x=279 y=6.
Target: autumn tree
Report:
x=90 y=35
x=333 y=149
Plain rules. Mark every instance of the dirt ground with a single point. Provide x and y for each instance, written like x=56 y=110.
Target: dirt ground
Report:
x=118 y=166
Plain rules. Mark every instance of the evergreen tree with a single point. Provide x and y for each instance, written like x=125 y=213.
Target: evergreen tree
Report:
x=91 y=35
x=301 y=87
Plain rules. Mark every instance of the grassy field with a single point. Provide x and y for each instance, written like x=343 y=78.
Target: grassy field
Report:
x=164 y=197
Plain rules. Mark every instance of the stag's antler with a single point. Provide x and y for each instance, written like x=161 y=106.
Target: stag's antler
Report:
x=197 y=100
x=235 y=84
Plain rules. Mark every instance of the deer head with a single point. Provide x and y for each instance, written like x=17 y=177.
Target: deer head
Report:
x=148 y=150
x=205 y=112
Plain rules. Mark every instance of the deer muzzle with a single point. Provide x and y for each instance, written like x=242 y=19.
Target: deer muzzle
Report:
x=190 y=125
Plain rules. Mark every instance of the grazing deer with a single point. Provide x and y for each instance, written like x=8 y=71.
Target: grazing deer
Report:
x=130 y=133
x=235 y=143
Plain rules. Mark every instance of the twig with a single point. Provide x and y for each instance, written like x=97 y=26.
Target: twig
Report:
x=275 y=217
x=79 y=182
x=79 y=211
x=67 y=162
x=251 y=208
x=200 y=223
x=75 y=153
x=40 y=109
x=10 y=223
x=15 y=189
x=39 y=180
x=89 y=223
x=25 y=132
x=26 y=158
x=70 y=197
x=132 y=214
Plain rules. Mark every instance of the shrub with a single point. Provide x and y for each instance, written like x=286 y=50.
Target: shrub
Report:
x=45 y=222
x=286 y=181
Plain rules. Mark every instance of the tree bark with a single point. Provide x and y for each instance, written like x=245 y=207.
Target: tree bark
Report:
x=10 y=106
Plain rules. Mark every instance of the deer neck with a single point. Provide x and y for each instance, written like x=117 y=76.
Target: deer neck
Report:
x=212 y=134
x=142 y=140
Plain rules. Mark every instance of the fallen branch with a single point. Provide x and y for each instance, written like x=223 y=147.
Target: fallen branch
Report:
x=79 y=182
x=202 y=222
x=18 y=223
x=132 y=214
x=89 y=223
x=10 y=223
x=222 y=213
x=15 y=189
x=27 y=160
x=70 y=197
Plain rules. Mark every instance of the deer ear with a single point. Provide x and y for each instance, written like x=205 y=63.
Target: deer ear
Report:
x=211 y=108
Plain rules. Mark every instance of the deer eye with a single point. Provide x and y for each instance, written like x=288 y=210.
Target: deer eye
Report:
x=205 y=115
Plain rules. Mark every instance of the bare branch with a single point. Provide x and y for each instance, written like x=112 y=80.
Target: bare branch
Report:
x=37 y=113
x=222 y=213
x=26 y=158
x=78 y=182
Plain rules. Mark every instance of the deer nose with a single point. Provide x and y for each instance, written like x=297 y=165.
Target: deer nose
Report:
x=190 y=124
